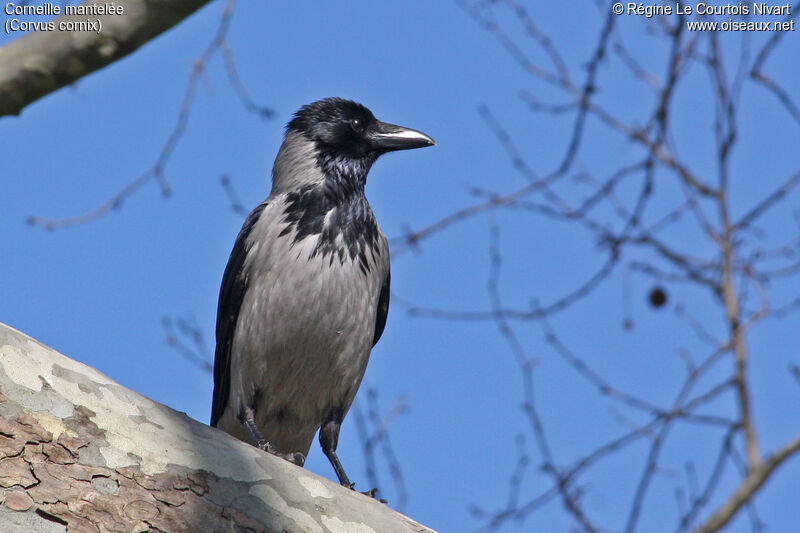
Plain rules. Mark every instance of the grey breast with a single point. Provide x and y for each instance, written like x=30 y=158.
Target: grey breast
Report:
x=305 y=331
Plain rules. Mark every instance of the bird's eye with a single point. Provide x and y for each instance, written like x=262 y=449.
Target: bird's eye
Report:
x=357 y=125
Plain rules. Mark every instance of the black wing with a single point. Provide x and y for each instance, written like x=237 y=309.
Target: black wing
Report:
x=231 y=294
x=383 y=309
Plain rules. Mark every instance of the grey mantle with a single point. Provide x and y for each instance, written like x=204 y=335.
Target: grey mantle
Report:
x=81 y=453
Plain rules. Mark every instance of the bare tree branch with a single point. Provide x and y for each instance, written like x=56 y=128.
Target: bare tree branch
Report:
x=377 y=436
x=157 y=171
x=44 y=61
x=748 y=487
x=757 y=73
x=732 y=268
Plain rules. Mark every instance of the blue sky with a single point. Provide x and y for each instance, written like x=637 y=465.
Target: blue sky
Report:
x=97 y=292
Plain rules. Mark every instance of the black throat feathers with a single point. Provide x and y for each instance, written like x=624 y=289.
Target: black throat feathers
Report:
x=337 y=211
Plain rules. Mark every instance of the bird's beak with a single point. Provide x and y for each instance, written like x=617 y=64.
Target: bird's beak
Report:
x=388 y=137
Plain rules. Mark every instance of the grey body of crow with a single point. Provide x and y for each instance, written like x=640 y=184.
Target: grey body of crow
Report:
x=306 y=323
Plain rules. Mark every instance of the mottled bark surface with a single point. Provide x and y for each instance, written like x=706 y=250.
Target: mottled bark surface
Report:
x=44 y=61
x=81 y=453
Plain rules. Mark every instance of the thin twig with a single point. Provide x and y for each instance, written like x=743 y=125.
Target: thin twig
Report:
x=157 y=171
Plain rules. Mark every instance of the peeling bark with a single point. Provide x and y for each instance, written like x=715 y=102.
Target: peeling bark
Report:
x=81 y=453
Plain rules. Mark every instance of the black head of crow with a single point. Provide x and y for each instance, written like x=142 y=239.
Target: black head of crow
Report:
x=345 y=129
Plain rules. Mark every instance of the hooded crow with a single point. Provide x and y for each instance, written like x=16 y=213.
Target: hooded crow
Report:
x=305 y=294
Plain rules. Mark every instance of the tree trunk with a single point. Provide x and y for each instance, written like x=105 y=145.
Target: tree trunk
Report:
x=81 y=453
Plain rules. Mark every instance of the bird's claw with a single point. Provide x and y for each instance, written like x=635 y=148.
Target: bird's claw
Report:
x=372 y=494
x=294 y=457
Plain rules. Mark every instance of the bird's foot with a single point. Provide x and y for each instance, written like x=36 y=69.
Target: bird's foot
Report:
x=374 y=495
x=294 y=457
x=371 y=493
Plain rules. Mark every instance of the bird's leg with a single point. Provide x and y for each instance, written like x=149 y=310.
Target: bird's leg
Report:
x=329 y=440
x=250 y=423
